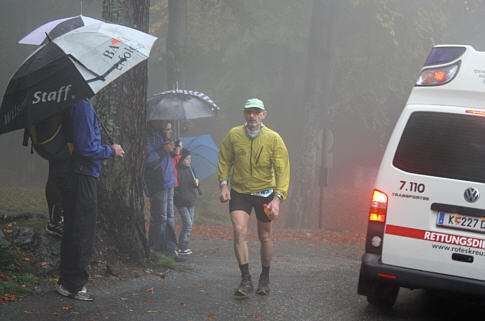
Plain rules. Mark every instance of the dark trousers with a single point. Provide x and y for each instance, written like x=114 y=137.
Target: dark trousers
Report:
x=53 y=195
x=79 y=232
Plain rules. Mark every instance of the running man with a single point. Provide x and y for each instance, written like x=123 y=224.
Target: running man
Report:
x=253 y=159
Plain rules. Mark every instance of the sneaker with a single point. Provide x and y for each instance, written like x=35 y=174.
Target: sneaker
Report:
x=81 y=295
x=263 y=285
x=184 y=252
x=176 y=257
x=245 y=288
x=55 y=229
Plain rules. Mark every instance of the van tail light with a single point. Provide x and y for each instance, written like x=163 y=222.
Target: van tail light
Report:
x=378 y=207
x=376 y=224
x=438 y=76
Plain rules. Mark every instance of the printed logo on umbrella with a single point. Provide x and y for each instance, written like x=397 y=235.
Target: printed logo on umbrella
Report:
x=115 y=41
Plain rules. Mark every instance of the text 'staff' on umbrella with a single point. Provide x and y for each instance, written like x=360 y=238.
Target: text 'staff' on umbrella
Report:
x=73 y=66
x=46 y=83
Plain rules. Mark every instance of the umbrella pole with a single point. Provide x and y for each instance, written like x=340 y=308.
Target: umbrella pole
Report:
x=193 y=177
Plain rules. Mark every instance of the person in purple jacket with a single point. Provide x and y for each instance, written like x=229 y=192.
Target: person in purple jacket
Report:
x=80 y=214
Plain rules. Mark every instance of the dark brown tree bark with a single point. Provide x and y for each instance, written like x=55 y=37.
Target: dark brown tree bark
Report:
x=309 y=170
x=122 y=108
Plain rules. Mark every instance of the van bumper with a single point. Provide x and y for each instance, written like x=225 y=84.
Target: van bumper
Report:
x=373 y=271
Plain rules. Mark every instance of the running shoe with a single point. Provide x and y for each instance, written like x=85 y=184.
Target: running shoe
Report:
x=184 y=252
x=263 y=285
x=55 y=229
x=175 y=255
x=81 y=295
x=245 y=288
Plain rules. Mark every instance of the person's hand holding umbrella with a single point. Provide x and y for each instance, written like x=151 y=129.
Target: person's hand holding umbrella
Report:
x=119 y=152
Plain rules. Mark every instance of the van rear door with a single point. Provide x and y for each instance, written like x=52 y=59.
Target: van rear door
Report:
x=434 y=174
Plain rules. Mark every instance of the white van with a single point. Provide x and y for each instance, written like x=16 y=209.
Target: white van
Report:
x=426 y=226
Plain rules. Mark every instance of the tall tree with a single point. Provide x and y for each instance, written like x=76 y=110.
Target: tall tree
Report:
x=177 y=25
x=310 y=170
x=122 y=108
x=176 y=36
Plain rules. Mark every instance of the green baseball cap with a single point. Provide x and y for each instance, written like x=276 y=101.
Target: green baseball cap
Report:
x=254 y=103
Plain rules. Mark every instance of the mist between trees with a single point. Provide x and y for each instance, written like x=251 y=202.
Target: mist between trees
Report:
x=371 y=52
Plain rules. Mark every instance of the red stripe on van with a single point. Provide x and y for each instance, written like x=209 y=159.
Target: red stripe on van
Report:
x=405 y=231
x=437 y=237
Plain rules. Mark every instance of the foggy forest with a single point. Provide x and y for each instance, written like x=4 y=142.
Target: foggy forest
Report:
x=350 y=75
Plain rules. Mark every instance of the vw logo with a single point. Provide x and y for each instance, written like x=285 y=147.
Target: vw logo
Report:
x=471 y=194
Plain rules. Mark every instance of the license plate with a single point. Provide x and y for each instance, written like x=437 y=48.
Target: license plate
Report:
x=463 y=222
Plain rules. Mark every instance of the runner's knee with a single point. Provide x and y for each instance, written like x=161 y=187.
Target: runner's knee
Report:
x=240 y=233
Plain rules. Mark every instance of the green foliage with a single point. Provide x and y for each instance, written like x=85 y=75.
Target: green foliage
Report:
x=166 y=261
x=12 y=287
x=23 y=199
x=26 y=279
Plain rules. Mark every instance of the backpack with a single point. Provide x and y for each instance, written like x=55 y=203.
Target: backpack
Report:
x=51 y=138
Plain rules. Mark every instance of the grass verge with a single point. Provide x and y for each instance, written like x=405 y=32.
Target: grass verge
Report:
x=166 y=261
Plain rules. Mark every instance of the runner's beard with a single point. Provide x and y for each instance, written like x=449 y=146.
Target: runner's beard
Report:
x=252 y=124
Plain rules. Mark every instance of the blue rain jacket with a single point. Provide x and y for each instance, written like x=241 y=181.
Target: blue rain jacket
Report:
x=159 y=164
x=88 y=150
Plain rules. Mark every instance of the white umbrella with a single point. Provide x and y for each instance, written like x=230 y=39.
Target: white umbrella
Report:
x=56 y=28
x=75 y=65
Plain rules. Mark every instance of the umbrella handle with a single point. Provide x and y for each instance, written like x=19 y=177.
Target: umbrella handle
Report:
x=193 y=177
x=108 y=135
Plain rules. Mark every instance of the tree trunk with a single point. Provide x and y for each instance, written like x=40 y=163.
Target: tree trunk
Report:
x=122 y=108
x=176 y=35
x=309 y=168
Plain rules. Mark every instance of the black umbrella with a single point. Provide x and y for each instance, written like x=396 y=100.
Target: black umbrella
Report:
x=180 y=104
x=75 y=65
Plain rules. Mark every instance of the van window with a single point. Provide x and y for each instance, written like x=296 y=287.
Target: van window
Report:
x=443 y=144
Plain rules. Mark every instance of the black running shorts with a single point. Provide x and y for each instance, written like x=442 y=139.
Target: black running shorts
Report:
x=246 y=203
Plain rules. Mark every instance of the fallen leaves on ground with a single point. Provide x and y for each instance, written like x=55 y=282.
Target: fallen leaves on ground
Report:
x=210 y=316
x=7 y=297
x=225 y=232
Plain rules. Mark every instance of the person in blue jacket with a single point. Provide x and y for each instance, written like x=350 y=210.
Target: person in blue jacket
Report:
x=80 y=214
x=160 y=181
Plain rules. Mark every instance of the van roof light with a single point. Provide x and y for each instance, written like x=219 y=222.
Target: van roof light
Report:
x=476 y=112
x=443 y=55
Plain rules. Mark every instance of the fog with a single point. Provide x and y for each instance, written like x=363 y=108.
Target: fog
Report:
x=240 y=49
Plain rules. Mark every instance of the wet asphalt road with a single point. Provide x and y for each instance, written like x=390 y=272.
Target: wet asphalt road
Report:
x=310 y=281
